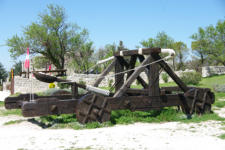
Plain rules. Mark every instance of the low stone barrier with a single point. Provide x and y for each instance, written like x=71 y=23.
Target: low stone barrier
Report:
x=212 y=70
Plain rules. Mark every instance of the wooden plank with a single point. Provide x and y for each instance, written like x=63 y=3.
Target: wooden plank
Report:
x=153 y=79
x=119 y=78
x=104 y=73
x=135 y=74
x=140 y=80
x=48 y=106
x=145 y=51
x=143 y=102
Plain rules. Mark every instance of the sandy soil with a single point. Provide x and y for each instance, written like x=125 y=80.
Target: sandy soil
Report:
x=154 y=136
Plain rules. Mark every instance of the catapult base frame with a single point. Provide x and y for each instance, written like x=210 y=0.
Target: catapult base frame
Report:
x=97 y=107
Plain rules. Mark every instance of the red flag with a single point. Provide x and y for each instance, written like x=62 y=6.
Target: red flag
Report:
x=27 y=62
x=50 y=67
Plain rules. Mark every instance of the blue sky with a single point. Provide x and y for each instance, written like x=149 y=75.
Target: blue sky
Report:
x=110 y=21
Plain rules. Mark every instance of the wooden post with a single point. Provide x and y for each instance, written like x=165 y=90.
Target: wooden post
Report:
x=119 y=79
x=12 y=81
x=153 y=79
x=74 y=89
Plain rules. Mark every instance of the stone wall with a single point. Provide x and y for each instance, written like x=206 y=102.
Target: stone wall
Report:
x=212 y=70
x=25 y=85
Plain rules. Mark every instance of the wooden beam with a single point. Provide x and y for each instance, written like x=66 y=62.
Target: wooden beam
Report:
x=153 y=79
x=135 y=74
x=119 y=78
x=104 y=73
x=139 y=78
x=145 y=51
x=143 y=102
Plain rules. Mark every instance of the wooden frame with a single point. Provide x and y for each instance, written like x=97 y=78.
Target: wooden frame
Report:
x=96 y=107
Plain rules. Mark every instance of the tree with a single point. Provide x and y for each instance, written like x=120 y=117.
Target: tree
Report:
x=3 y=73
x=180 y=49
x=17 y=68
x=200 y=44
x=211 y=42
x=161 y=40
x=52 y=37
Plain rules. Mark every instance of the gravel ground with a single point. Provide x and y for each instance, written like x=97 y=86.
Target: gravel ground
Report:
x=154 y=136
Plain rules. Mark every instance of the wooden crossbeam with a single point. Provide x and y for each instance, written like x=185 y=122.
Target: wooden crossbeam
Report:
x=139 y=78
x=105 y=72
x=135 y=74
x=144 y=51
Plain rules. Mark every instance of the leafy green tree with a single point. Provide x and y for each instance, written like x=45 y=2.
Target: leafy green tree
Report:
x=17 y=68
x=161 y=40
x=211 y=42
x=3 y=73
x=200 y=44
x=181 y=49
x=52 y=37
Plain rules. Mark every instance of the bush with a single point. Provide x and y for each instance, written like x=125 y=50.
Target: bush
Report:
x=219 y=88
x=165 y=77
x=192 y=78
x=63 y=86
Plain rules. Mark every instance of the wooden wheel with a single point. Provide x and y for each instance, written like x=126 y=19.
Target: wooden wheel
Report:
x=199 y=101
x=92 y=107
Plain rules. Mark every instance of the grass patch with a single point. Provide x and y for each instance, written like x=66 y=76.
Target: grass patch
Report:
x=13 y=122
x=1 y=104
x=209 y=82
x=222 y=136
x=6 y=112
x=127 y=117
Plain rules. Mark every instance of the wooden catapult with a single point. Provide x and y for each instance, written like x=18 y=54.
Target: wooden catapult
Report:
x=97 y=104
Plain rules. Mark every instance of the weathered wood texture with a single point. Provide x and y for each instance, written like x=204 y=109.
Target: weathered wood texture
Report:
x=153 y=79
x=139 y=78
x=119 y=78
x=48 y=106
x=143 y=102
x=135 y=74
x=16 y=102
x=145 y=51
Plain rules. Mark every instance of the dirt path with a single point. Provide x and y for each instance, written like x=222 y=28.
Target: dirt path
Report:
x=172 y=135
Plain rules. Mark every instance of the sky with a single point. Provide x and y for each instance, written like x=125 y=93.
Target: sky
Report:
x=109 y=21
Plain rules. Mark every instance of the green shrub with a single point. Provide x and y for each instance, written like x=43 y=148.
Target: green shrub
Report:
x=165 y=77
x=191 y=78
x=1 y=88
x=63 y=86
